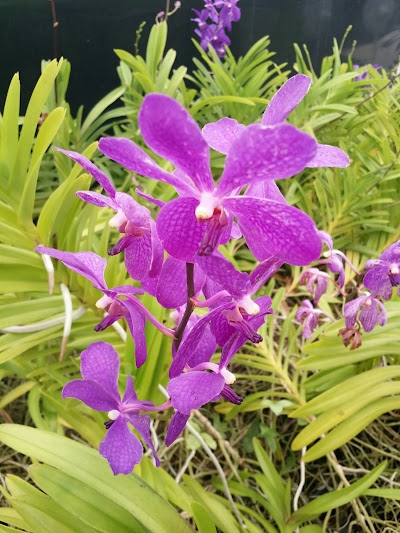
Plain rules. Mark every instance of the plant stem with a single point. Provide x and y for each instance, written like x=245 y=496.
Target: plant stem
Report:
x=189 y=306
x=55 y=28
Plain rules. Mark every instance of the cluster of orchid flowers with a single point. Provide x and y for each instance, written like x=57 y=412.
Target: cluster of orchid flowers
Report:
x=367 y=309
x=213 y=21
x=176 y=258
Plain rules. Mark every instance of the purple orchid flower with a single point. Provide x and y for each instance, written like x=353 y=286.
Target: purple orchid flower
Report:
x=384 y=273
x=143 y=253
x=99 y=390
x=316 y=282
x=196 y=387
x=335 y=259
x=235 y=317
x=221 y=135
x=308 y=315
x=199 y=220
x=369 y=309
x=92 y=267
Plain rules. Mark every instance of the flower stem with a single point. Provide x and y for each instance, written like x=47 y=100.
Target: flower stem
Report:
x=189 y=306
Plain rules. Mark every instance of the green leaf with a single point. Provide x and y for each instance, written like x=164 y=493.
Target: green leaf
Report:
x=16 y=392
x=46 y=135
x=335 y=499
x=87 y=466
x=9 y=131
x=203 y=519
x=33 y=112
x=83 y=501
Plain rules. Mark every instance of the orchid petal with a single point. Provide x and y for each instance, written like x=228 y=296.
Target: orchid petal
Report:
x=87 y=165
x=149 y=197
x=175 y=428
x=172 y=288
x=194 y=389
x=377 y=280
x=138 y=256
x=266 y=189
x=172 y=133
x=178 y=229
x=130 y=156
x=121 y=447
x=271 y=228
x=286 y=99
x=97 y=199
x=369 y=316
x=136 y=323
x=224 y=273
x=329 y=156
x=100 y=363
x=87 y=264
x=189 y=345
x=90 y=393
x=266 y=153
x=142 y=425
x=264 y=271
x=221 y=134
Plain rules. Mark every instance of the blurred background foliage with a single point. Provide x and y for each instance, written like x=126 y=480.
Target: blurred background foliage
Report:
x=237 y=466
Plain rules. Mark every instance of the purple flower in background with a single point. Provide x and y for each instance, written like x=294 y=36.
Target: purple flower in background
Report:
x=212 y=22
x=143 y=252
x=369 y=309
x=316 y=282
x=384 y=273
x=335 y=259
x=365 y=74
x=92 y=267
x=201 y=218
x=99 y=390
x=308 y=315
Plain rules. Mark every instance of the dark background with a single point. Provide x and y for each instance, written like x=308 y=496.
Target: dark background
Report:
x=89 y=30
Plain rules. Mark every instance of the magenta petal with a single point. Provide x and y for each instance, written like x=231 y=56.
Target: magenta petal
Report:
x=266 y=189
x=194 y=389
x=100 y=363
x=329 y=156
x=130 y=156
x=90 y=393
x=97 y=199
x=179 y=231
x=98 y=175
x=221 y=134
x=129 y=394
x=369 y=316
x=172 y=287
x=134 y=212
x=351 y=309
x=171 y=132
x=142 y=425
x=190 y=343
x=136 y=323
x=87 y=264
x=138 y=257
x=121 y=447
x=377 y=280
x=175 y=428
x=150 y=198
x=271 y=228
x=264 y=271
x=222 y=330
x=122 y=244
x=205 y=349
x=224 y=273
x=266 y=153
x=286 y=99
x=157 y=251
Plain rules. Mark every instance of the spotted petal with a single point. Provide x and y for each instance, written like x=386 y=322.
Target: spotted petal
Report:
x=90 y=393
x=100 y=363
x=130 y=156
x=175 y=428
x=221 y=134
x=179 y=231
x=329 y=156
x=171 y=132
x=121 y=447
x=272 y=228
x=264 y=153
x=98 y=175
x=87 y=264
x=172 y=287
x=142 y=425
x=286 y=99
x=224 y=273
x=194 y=389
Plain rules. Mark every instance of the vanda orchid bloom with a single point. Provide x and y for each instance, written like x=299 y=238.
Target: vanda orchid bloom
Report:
x=99 y=390
x=200 y=219
x=92 y=267
x=143 y=252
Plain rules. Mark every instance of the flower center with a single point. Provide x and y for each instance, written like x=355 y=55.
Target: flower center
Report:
x=206 y=207
x=104 y=302
x=118 y=221
x=113 y=414
x=248 y=305
x=216 y=225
